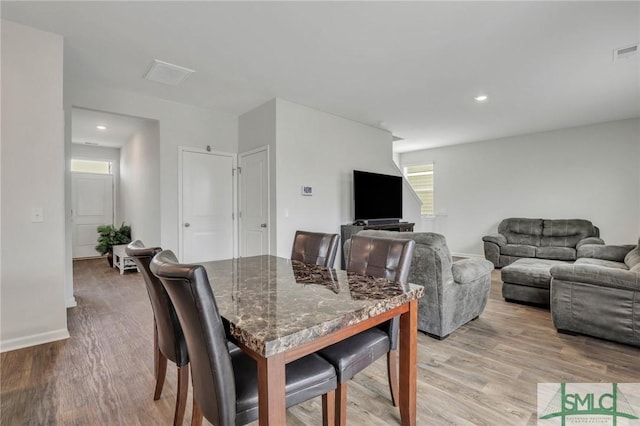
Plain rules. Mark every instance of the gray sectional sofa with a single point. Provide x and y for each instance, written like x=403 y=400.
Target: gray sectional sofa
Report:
x=454 y=292
x=557 y=239
x=599 y=294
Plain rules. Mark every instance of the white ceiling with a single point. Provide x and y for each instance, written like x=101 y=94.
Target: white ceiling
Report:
x=410 y=67
x=118 y=132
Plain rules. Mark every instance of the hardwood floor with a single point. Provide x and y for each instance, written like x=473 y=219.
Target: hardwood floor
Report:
x=485 y=373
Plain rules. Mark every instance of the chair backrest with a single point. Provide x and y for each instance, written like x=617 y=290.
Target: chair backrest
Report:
x=211 y=369
x=315 y=248
x=388 y=258
x=381 y=257
x=170 y=337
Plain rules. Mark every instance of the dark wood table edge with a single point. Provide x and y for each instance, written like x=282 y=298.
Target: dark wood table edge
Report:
x=271 y=370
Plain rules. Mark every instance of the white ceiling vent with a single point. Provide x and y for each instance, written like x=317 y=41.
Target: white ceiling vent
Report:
x=166 y=73
x=625 y=52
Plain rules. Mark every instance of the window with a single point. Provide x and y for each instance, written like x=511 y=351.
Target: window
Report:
x=421 y=180
x=91 y=166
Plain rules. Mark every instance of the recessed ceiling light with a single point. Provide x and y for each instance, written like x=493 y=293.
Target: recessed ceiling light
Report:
x=480 y=98
x=101 y=127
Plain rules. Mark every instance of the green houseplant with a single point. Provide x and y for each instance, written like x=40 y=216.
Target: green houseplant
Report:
x=111 y=236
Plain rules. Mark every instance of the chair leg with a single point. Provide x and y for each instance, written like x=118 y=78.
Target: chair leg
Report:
x=161 y=372
x=156 y=350
x=392 y=374
x=341 y=404
x=328 y=408
x=181 y=394
x=196 y=415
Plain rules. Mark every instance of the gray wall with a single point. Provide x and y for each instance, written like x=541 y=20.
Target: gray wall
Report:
x=179 y=125
x=590 y=172
x=140 y=184
x=32 y=279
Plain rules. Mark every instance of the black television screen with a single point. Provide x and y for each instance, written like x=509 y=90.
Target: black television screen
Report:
x=377 y=196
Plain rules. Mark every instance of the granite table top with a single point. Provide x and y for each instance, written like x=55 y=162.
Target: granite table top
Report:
x=274 y=304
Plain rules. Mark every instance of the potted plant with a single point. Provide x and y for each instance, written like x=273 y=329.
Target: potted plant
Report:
x=111 y=236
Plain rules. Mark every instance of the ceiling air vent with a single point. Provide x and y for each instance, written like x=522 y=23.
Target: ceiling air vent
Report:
x=625 y=52
x=166 y=73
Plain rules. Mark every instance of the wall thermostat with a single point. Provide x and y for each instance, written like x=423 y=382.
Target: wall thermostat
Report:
x=307 y=190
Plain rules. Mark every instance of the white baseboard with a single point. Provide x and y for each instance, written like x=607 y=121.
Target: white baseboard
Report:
x=476 y=256
x=71 y=302
x=34 y=339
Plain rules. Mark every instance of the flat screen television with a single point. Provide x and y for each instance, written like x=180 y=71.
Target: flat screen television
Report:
x=377 y=196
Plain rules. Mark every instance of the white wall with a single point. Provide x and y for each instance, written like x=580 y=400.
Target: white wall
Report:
x=589 y=172
x=33 y=265
x=179 y=125
x=321 y=150
x=140 y=184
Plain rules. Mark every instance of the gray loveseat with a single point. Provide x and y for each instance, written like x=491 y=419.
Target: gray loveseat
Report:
x=519 y=238
x=454 y=292
x=599 y=295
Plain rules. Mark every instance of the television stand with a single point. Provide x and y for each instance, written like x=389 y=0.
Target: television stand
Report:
x=398 y=226
x=346 y=231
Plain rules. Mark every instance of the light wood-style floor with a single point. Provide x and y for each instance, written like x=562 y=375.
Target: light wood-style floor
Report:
x=484 y=374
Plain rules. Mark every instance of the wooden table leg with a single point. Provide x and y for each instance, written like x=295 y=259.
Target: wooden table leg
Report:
x=271 y=397
x=408 y=361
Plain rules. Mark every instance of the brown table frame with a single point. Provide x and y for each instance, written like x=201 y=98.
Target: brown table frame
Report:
x=271 y=370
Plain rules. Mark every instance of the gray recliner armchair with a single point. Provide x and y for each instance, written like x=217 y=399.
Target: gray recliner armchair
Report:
x=454 y=292
x=599 y=295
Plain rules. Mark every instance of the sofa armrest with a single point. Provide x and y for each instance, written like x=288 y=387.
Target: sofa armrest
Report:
x=604 y=252
x=589 y=240
x=597 y=275
x=468 y=270
x=498 y=239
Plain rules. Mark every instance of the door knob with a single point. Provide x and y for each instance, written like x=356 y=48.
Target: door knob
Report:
x=187 y=224
x=263 y=225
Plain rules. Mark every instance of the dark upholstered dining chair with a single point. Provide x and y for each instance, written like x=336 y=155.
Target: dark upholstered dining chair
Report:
x=168 y=340
x=225 y=384
x=315 y=248
x=381 y=258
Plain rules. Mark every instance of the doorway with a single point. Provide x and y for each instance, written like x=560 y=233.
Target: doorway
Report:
x=254 y=203
x=207 y=199
x=92 y=206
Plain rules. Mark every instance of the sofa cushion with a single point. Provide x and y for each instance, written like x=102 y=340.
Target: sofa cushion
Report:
x=591 y=240
x=521 y=231
x=469 y=270
x=601 y=262
x=557 y=253
x=519 y=250
x=632 y=259
x=498 y=239
x=597 y=275
x=565 y=232
x=605 y=252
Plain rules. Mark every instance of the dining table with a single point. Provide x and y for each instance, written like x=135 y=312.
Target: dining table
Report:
x=279 y=310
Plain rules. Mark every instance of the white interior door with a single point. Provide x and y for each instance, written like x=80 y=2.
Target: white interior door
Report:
x=92 y=205
x=207 y=206
x=254 y=202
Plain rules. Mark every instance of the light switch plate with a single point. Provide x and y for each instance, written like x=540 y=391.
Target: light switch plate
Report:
x=37 y=215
